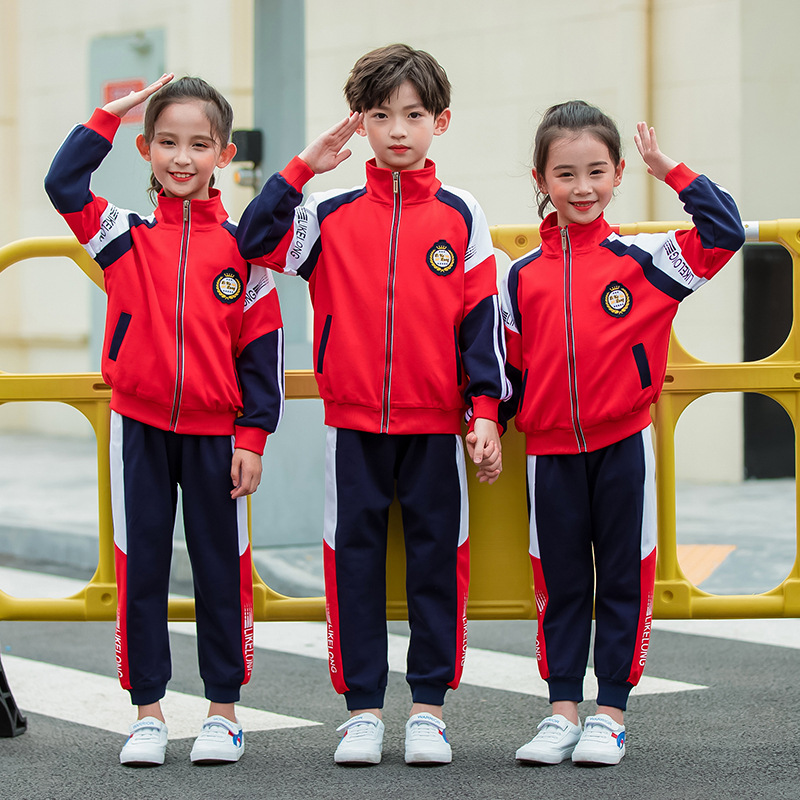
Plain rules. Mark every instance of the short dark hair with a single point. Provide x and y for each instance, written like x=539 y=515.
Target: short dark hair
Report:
x=217 y=108
x=380 y=72
x=572 y=118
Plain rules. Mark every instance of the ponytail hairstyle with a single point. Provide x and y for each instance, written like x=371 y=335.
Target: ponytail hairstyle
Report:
x=217 y=108
x=572 y=119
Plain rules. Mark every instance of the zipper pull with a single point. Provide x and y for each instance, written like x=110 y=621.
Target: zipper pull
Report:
x=564 y=239
x=186 y=210
x=396 y=182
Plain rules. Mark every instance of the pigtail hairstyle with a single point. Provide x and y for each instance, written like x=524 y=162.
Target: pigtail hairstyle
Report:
x=217 y=108
x=571 y=119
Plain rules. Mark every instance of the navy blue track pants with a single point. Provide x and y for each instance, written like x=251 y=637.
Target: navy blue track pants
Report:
x=594 y=514
x=147 y=466
x=429 y=473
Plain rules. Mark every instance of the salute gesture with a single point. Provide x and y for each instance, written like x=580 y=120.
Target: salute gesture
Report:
x=658 y=164
x=325 y=152
x=122 y=105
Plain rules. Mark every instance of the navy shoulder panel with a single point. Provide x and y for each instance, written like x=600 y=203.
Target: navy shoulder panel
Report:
x=457 y=203
x=654 y=275
x=337 y=201
x=513 y=282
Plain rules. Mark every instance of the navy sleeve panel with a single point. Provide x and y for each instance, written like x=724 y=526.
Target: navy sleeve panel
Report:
x=67 y=181
x=260 y=372
x=483 y=351
x=334 y=203
x=508 y=408
x=455 y=202
x=121 y=244
x=513 y=284
x=230 y=227
x=268 y=218
x=715 y=214
x=310 y=263
x=654 y=275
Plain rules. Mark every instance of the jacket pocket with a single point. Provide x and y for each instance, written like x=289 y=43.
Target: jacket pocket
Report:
x=642 y=364
x=323 y=343
x=119 y=334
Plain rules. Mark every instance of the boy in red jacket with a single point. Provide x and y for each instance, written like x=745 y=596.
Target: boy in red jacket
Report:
x=407 y=336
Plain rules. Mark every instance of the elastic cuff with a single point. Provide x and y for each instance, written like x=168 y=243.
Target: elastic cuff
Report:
x=249 y=438
x=105 y=123
x=429 y=694
x=485 y=407
x=613 y=694
x=679 y=177
x=297 y=173
x=146 y=697
x=568 y=689
x=358 y=700
x=222 y=694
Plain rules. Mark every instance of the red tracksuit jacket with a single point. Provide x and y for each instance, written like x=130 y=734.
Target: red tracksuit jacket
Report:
x=402 y=278
x=193 y=337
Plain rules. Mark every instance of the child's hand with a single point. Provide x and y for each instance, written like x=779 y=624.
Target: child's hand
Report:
x=122 y=105
x=245 y=472
x=483 y=447
x=325 y=152
x=658 y=164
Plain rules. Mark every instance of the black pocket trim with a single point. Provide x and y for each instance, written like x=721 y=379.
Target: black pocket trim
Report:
x=323 y=343
x=459 y=373
x=119 y=334
x=640 y=356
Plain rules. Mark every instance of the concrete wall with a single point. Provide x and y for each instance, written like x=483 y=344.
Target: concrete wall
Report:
x=714 y=76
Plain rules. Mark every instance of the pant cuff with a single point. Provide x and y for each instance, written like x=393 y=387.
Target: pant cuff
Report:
x=146 y=697
x=429 y=694
x=222 y=694
x=359 y=700
x=611 y=693
x=567 y=689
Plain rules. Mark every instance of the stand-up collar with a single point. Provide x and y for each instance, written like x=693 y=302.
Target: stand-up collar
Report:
x=202 y=212
x=581 y=237
x=416 y=185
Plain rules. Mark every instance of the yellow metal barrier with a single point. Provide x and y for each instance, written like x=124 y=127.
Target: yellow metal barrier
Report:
x=501 y=586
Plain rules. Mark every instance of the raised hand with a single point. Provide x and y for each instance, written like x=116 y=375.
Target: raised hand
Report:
x=325 y=152
x=657 y=163
x=122 y=105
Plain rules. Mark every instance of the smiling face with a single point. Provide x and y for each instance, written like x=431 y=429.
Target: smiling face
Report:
x=183 y=151
x=400 y=129
x=580 y=176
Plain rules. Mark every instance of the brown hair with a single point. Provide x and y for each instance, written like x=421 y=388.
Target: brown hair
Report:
x=217 y=108
x=571 y=119
x=380 y=72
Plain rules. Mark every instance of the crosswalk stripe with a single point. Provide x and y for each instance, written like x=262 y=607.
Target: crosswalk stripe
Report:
x=488 y=669
x=99 y=702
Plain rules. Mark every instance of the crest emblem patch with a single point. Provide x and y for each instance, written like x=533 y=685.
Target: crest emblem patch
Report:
x=616 y=300
x=442 y=258
x=228 y=286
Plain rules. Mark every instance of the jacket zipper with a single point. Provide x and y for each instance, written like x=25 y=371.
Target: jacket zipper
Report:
x=389 y=332
x=570 y=331
x=179 y=304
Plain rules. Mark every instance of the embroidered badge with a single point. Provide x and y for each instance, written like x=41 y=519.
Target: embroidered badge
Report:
x=228 y=286
x=442 y=258
x=616 y=300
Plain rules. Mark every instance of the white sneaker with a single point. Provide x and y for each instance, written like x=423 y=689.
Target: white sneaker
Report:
x=426 y=741
x=555 y=741
x=362 y=742
x=219 y=740
x=146 y=745
x=602 y=741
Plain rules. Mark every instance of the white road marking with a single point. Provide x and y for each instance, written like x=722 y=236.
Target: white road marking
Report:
x=489 y=669
x=97 y=701
x=783 y=632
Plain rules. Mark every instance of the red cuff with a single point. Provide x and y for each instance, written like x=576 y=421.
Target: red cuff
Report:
x=680 y=177
x=105 y=123
x=297 y=173
x=248 y=438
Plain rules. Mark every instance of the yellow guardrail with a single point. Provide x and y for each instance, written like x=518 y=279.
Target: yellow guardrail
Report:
x=501 y=585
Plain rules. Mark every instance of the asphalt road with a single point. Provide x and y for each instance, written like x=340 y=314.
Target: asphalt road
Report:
x=737 y=737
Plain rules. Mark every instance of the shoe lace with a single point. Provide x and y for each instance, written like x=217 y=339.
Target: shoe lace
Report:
x=358 y=728
x=427 y=729
x=597 y=730
x=550 y=729
x=214 y=731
